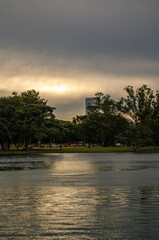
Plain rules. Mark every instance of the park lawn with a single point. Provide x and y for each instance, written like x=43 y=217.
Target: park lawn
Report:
x=95 y=149
x=105 y=149
x=79 y=150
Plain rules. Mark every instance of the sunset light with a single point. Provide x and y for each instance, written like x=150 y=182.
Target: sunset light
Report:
x=56 y=88
x=75 y=49
x=79 y=119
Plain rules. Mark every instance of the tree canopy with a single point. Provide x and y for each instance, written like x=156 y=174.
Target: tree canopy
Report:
x=133 y=120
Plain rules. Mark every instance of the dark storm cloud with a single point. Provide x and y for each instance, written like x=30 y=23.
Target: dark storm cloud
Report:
x=84 y=28
x=13 y=62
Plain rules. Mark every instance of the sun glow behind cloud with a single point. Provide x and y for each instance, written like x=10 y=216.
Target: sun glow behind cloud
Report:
x=49 y=47
x=56 y=88
x=67 y=94
x=39 y=83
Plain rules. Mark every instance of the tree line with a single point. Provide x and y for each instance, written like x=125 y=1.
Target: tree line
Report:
x=132 y=120
x=26 y=118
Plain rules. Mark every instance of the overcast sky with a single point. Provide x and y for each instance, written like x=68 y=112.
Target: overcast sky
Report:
x=71 y=49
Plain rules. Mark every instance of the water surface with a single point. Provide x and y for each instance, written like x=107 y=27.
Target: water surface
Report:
x=80 y=196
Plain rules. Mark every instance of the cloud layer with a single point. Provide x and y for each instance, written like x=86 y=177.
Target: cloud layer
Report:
x=69 y=50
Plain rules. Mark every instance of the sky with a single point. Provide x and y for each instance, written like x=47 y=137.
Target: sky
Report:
x=69 y=49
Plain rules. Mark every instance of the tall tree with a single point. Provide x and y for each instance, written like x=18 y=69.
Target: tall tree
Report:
x=112 y=122
x=138 y=105
x=22 y=117
x=141 y=107
x=33 y=112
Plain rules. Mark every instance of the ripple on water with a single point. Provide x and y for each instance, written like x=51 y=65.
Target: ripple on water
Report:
x=75 y=197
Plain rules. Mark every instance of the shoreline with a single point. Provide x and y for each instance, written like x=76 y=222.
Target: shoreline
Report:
x=79 y=150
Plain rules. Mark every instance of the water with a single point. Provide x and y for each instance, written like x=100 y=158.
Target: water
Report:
x=79 y=196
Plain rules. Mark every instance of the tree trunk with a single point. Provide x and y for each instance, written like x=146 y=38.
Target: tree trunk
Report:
x=8 y=145
x=2 y=146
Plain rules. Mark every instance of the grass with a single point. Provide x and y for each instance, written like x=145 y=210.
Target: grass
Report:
x=78 y=150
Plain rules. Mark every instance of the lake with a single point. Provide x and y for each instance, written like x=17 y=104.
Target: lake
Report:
x=79 y=196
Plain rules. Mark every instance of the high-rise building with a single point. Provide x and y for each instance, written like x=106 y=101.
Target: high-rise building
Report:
x=89 y=101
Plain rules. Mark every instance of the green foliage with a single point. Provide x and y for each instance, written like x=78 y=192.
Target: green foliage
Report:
x=92 y=127
x=104 y=104
x=136 y=136
x=22 y=118
x=101 y=126
x=142 y=107
x=133 y=120
x=138 y=105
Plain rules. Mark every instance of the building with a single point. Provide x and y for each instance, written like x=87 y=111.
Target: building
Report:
x=88 y=101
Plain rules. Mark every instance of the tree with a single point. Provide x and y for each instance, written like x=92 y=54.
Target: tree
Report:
x=141 y=107
x=104 y=104
x=111 y=122
x=70 y=131
x=8 y=125
x=155 y=120
x=92 y=127
x=22 y=118
x=33 y=113
x=138 y=105
x=135 y=136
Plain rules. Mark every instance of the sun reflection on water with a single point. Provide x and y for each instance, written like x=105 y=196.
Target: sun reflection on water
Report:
x=74 y=196
x=72 y=167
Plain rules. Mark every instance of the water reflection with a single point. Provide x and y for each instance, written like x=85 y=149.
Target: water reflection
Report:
x=72 y=167
x=76 y=213
x=13 y=163
x=81 y=162
x=71 y=198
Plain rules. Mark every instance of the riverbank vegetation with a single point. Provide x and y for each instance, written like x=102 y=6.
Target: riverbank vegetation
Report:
x=27 y=123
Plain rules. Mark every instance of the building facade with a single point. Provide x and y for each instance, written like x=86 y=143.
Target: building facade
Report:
x=88 y=101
